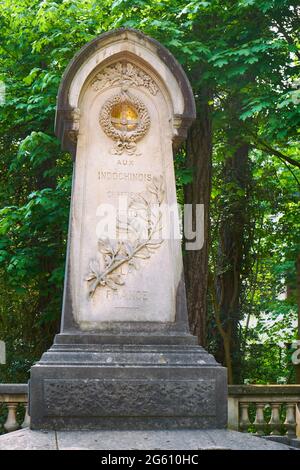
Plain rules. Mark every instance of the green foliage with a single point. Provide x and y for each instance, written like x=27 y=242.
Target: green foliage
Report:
x=268 y=363
x=245 y=52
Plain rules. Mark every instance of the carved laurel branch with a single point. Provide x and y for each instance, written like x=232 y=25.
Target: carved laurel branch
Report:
x=125 y=140
x=123 y=74
x=116 y=253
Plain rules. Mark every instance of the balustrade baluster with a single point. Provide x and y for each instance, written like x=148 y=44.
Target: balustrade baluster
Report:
x=275 y=419
x=259 y=422
x=11 y=423
x=244 y=420
x=290 y=420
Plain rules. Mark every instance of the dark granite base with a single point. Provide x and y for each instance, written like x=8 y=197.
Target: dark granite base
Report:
x=170 y=383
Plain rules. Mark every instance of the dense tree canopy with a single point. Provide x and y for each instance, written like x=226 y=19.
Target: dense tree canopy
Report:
x=241 y=160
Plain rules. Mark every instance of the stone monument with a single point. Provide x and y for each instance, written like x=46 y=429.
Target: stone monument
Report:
x=124 y=358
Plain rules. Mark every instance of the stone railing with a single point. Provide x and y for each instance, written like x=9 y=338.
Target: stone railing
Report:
x=265 y=409
x=14 y=398
x=261 y=409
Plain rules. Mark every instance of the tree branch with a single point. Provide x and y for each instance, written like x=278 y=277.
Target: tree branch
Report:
x=266 y=147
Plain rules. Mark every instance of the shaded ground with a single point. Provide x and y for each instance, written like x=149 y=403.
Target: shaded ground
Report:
x=26 y=439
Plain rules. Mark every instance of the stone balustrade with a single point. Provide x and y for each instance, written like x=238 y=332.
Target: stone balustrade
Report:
x=265 y=409
x=14 y=397
x=261 y=409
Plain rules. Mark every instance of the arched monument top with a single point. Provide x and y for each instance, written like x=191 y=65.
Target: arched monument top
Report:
x=107 y=49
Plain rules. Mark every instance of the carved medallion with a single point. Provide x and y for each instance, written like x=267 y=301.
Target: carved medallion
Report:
x=125 y=119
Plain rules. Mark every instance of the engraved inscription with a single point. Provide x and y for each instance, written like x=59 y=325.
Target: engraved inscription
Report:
x=125 y=162
x=138 y=295
x=122 y=176
x=115 y=194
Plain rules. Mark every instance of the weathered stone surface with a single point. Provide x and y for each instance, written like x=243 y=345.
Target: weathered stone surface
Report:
x=121 y=386
x=13 y=389
x=133 y=386
x=136 y=440
x=162 y=398
x=289 y=441
x=26 y=439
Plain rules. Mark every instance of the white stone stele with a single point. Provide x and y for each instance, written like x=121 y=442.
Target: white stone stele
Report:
x=148 y=294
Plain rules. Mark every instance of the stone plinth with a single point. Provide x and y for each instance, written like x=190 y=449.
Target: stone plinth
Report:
x=161 y=382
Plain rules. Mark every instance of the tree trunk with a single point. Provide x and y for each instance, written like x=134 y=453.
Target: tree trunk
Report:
x=231 y=256
x=199 y=159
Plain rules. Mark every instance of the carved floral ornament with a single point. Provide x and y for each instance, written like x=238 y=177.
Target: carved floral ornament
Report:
x=123 y=73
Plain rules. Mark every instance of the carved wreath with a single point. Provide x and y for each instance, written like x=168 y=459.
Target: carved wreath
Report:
x=115 y=253
x=125 y=139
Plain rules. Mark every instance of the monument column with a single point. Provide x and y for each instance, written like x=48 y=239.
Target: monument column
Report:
x=124 y=357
